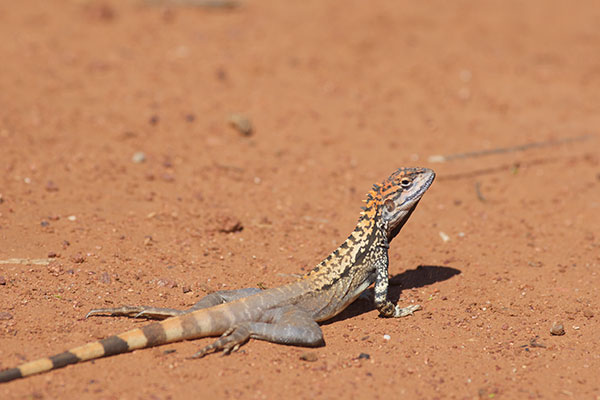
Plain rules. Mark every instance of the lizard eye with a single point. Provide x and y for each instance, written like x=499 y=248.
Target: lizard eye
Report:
x=389 y=204
x=405 y=182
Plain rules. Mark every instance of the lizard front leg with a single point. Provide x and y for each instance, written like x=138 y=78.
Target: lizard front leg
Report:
x=288 y=325
x=387 y=308
x=213 y=299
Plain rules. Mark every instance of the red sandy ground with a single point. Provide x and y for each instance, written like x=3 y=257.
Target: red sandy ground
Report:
x=340 y=94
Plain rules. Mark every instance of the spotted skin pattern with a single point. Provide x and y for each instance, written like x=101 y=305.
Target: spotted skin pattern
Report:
x=288 y=314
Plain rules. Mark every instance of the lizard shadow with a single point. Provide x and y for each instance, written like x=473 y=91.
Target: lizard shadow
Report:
x=423 y=275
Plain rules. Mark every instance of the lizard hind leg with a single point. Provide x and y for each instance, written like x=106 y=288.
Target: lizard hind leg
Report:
x=287 y=325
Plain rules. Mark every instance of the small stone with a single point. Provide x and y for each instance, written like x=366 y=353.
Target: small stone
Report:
x=1 y=199
x=44 y=223
x=154 y=120
x=166 y=283
x=186 y=289
x=138 y=157
x=386 y=337
x=588 y=313
x=104 y=278
x=2 y=280
x=51 y=186
x=444 y=236
x=557 y=329
x=5 y=316
x=78 y=258
x=229 y=224
x=309 y=356
x=72 y=218
x=241 y=123
x=52 y=255
x=364 y=356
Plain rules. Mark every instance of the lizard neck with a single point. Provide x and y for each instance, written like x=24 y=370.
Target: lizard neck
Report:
x=354 y=252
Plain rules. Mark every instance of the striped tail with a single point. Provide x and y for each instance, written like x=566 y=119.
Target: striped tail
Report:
x=197 y=324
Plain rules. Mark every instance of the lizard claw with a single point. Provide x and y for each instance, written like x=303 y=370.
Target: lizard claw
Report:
x=230 y=341
x=230 y=349
x=199 y=354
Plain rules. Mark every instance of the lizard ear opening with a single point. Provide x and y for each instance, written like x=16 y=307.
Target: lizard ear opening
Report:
x=389 y=204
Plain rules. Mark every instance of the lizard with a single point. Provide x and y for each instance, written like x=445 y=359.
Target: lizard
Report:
x=288 y=314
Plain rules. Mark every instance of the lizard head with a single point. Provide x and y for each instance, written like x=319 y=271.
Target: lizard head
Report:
x=397 y=196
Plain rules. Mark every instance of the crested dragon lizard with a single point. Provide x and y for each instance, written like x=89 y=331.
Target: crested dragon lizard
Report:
x=287 y=314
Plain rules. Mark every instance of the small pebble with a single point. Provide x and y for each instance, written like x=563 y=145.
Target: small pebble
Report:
x=186 y=289
x=241 y=123
x=309 y=356
x=154 y=120
x=51 y=186
x=364 y=356
x=2 y=280
x=588 y=313
x=386 y=337
x=44 y=223
x=52 y=255
x=4 y=315
x=229 y=224
x=444 y=237
x=166 y=283
x=78 y=258
x=72 y=218
x=138 y=157
x=557 y=329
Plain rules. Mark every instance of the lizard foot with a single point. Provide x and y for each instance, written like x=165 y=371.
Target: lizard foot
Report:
x=403 y=312
x=136 y=312
x=230 y=341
